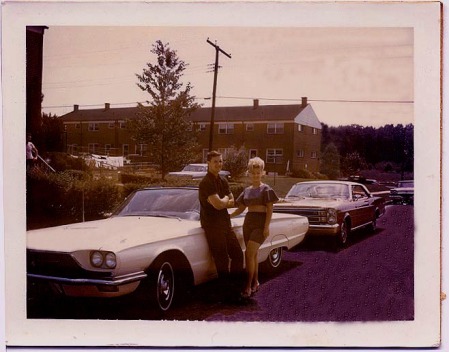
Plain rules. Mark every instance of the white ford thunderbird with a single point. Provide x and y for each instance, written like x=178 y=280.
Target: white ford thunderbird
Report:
x=154 y=238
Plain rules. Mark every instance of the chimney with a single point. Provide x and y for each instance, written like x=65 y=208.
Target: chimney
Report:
x=255 y=103
x=107 y=106
x=76 y=107
x=303 y=102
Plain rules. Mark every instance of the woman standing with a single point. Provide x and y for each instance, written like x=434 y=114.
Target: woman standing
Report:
x=259 y=199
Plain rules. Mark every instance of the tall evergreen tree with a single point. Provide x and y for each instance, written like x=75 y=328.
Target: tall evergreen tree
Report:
x=162 y=125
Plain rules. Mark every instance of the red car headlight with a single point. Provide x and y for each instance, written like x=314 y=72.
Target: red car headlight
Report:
x=331 y=216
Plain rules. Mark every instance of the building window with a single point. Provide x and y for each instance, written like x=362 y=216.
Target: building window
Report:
x=275 y=128
x=93 y=126
x=92 y=148
x=111 y=125
x=141 y=149
x=122 y=124
x=314 y=130
x=226 y=128
x=313 y=155
x=274 y=156
x=107 y=148
x=300 y=153
x=125 y=149
x=300 y=128
x=252 y=153
x=202 y=127
x=225 y=151
x=249 y=127
x=205 y=151
x=72 y=148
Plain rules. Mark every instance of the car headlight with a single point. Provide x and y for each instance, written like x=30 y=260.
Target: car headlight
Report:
x=331 y=216
x=96 y=259
x=110 y=260
x=102 y=259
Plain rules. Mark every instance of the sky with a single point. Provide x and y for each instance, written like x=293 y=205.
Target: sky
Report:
x=349 y=75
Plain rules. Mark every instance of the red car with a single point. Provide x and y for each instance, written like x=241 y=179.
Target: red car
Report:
x=333 y=208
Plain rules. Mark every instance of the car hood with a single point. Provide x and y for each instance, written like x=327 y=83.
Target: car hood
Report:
x=311 y=202
x=113 y=234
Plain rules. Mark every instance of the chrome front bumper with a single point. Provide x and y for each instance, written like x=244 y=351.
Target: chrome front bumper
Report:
x=324 y=230
x=116 y=281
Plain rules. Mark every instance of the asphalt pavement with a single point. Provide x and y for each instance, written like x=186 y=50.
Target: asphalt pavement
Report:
x=371 y=279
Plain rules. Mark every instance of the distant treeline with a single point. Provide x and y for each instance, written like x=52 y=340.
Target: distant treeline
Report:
x=376 y=146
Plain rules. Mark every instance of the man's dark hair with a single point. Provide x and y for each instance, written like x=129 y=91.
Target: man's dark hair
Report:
x=212 y=154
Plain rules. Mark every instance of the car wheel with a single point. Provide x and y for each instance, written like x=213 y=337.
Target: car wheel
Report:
x=344 y=232
x=274 y=259
x=162 y=284
x=373 y=225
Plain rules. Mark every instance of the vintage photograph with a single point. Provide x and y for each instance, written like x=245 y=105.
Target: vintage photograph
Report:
x=234 y=176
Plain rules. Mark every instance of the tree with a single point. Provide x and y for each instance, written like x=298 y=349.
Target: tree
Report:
x=51 y=136
x=163 y=125
x=330 y=161
x=236 y=161
x=353 y=163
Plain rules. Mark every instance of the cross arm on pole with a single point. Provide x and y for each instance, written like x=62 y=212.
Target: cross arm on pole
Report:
x=219 y=49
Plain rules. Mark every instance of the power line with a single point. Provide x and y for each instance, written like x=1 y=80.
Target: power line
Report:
x=326 y=100
x=270 y=99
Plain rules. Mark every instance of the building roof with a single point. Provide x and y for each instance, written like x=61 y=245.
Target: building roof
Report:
x=222 y=114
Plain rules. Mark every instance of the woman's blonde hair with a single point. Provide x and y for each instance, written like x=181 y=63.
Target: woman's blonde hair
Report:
x=256 y=163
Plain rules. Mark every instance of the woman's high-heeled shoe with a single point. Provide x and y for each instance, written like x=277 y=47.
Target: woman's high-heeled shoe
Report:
x=246 y=294
x=254 y=289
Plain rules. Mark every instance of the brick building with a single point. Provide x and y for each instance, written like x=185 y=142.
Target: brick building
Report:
x=287 y=137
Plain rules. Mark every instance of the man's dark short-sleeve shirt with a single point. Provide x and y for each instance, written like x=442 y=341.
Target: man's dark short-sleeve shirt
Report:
x=210 y=185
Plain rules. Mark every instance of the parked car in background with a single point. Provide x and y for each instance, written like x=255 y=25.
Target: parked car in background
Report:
x=403 y=193
x=362 y=180
x=154 y=242
x=334 y=208
x=196 y=171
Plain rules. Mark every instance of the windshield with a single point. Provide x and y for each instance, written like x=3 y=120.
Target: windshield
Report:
x=319 y=190
x=181 y=203
x=404 y=184
x=194 y=168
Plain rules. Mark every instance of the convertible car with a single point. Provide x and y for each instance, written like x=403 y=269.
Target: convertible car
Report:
x=334 y=208
x=154 y=239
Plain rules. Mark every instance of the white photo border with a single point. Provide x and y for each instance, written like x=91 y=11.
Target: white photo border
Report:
x=423 y=331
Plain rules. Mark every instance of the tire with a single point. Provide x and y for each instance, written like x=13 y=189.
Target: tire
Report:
x=162 y=284
x=373 y=225
x=342 y=237
x=274 y=259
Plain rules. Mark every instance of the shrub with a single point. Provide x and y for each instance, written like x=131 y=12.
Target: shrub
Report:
x=321 y=176
x=302 y=173
x=63 y=161
x=236 y=189
x=137 y=179
x=60 y=198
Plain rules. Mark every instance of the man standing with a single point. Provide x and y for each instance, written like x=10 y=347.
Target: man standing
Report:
x=215 y=197
x=31 y=152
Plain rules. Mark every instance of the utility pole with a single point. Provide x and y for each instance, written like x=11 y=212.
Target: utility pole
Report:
x=217 y=51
